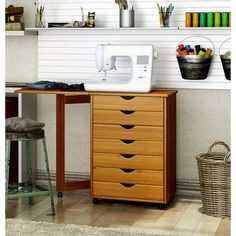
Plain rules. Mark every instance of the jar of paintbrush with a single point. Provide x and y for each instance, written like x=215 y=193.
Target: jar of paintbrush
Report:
x=39 y=15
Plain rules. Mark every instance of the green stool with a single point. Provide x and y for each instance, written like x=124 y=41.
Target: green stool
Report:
x=27 y=189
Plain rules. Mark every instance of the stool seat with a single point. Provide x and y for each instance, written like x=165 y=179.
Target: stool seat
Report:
x=29 y=135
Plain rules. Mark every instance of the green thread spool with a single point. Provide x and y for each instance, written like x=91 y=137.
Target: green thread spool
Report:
x=203 y=19
x=225 y=16
x=217 y=19
x=202 y=52
x=210 y=19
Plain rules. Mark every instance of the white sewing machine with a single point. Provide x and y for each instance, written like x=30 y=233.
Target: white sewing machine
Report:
x=141 y=58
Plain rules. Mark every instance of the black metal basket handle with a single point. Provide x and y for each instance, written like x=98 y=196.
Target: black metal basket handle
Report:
x=223 y=44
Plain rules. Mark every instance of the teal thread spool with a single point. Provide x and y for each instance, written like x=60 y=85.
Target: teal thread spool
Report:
x=210 y=19
x=217 y=19
x=203 y=19
x=225 y=16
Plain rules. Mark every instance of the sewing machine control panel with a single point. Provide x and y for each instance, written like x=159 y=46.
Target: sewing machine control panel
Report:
x=142 y=60
x=142 y=64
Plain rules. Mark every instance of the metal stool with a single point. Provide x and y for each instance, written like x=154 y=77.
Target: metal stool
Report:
x=27 y=189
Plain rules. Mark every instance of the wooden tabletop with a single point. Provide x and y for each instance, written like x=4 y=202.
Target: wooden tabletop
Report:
x=155 y=93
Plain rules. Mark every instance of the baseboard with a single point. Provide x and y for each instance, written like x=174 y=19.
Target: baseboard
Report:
x=189 y=187
x=183 y=186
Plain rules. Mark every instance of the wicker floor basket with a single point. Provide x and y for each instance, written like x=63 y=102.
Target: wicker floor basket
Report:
x=214 y=177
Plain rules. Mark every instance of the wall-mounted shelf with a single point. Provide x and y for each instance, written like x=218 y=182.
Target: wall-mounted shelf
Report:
x=134 y=28
x=125 y=31
x=20 y=32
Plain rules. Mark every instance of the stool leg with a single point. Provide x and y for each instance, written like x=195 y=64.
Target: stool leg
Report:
x=29 y=169
x=7 y=163
x=49 y=177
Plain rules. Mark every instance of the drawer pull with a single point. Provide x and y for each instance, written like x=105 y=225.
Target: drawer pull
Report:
x=127 y=126
x=127 y=97
x=127 y=155
x=127 y=141
x=127 y=112
x=127 y=185
x=128 y=170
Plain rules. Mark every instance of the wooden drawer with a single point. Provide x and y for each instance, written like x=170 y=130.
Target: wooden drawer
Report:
x=127 y=146
x=127 y=161
x=126 y=175
x=135 y=192
x=127 y=118
x=128 y=132
x=127 y=103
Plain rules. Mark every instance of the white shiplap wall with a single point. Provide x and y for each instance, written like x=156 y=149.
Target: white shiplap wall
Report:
x=107 y=13
x=68 y=55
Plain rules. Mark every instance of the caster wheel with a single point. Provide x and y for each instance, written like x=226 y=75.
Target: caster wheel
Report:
x=60 y=195
x=96 y=201
x=162 y=206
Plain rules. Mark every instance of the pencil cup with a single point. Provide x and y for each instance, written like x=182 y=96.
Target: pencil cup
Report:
x=126 y=18
x=164 y=18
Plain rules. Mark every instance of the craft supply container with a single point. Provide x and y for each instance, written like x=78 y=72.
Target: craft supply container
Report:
x=194 y=67
x=214 y=169
x=226 y=61
x=127 y=18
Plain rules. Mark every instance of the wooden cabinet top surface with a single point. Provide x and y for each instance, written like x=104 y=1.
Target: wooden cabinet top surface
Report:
x=155 y=93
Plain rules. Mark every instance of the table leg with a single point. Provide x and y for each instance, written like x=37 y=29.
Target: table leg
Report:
x=61 y=185
x=60 y=142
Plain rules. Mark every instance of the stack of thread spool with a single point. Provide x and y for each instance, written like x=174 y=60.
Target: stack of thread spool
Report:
x=187 y=50
x=208 y=19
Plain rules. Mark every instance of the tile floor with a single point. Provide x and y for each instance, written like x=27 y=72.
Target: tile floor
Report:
x=182 y=217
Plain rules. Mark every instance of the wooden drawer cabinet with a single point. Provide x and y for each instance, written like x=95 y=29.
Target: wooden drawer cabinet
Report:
x=133 y=146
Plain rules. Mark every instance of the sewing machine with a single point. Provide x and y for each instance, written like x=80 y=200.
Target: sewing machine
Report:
x=141 y=58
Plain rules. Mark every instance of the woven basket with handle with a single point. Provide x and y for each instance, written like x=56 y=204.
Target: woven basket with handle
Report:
x=214 y=176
